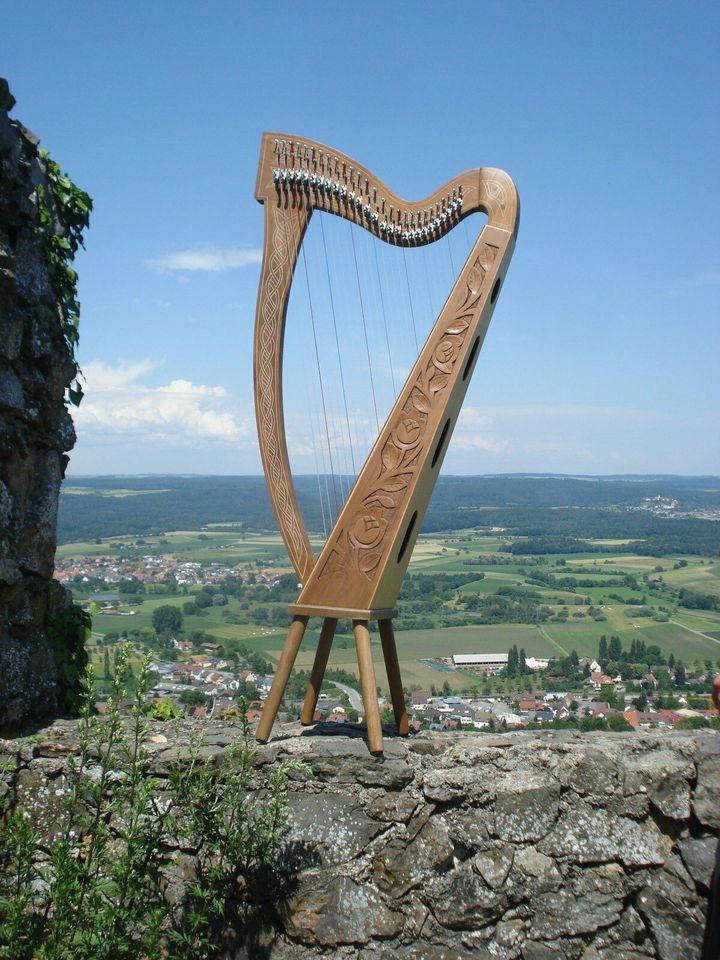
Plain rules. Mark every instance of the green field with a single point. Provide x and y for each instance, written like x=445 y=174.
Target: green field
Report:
x=694 y=636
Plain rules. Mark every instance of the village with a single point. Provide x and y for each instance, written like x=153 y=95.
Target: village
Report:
x=208 y=685
x=154 y=569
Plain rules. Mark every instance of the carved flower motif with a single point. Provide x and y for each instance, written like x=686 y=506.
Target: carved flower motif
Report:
x=407 y=433
x=445 y=354
x=367 y=531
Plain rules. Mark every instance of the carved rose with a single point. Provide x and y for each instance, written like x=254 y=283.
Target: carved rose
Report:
x=367 y=531
x=445 y=354
x=407 y=433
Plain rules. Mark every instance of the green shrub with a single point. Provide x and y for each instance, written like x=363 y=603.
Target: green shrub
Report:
x=100 y=892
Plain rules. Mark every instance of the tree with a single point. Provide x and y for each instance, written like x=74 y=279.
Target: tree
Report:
x=133 y=585
x=641 y=702
x=521 y=662
x=106 y=664
x=167 y=619
x=193 y=698
x=602 y=649
x=615 y=648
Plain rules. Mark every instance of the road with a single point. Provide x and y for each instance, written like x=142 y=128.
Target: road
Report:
x=353 y=696
x=697 y=632
x=547 y=636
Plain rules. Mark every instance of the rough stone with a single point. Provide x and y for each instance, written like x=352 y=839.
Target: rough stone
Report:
x=340 y=911
x=335 y=829
x=562 y=914
x=399 y=867
x=707 y=790
x=588 y=835
x=463 y=901
x=698 y=855
x=674 y=933
x=525 y=808
x=35 y=432
x=664 y=776
x=494 y=865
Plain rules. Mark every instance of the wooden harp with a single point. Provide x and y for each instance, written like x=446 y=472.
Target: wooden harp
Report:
x=359 y=572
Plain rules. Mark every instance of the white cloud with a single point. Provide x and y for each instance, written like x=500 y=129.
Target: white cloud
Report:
x=117 y=405
x=208 y=259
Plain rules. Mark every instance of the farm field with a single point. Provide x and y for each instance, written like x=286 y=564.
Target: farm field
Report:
x=691 y=635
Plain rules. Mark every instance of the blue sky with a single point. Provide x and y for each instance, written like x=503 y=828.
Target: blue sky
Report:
x=603 y=353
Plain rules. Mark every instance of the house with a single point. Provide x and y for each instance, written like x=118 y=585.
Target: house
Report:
x=105 y=600
x=526 y=705
x=544 y=716
x=419 y=698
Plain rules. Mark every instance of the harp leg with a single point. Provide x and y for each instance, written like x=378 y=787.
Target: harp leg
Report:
x=368 y=685
x=392 y=667
x=282 y=675
x=318 y=669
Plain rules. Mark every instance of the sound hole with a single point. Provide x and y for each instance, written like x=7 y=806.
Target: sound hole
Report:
x=496 y=290
x=441 y=441
x=406 y=538
x=471 y=358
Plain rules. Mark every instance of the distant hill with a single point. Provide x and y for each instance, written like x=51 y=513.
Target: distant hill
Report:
x=92 y=507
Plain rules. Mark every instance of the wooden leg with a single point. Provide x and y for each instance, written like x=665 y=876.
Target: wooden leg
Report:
x=387 y=638
x=318 y=670
x=282 y=675
x=369 y=687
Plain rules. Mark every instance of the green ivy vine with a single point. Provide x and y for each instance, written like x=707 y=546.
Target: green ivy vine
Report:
x=64 y=213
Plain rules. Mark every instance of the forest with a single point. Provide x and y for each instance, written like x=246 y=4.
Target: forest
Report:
x=556 y=514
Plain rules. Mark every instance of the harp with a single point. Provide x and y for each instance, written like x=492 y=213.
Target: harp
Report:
x=359 y=571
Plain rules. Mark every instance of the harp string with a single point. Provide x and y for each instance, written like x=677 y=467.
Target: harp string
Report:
x=320 y=377
x=364 y=324
x=410 y=300
x=369 y=312
x=385 y=321
x=337 y=347
x=317 y=477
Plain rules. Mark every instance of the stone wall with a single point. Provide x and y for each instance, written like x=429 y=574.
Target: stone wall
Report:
x=459 y=847
x=35 y=432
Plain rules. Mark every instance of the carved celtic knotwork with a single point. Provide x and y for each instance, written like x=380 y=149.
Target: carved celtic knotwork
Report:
x=269 y=325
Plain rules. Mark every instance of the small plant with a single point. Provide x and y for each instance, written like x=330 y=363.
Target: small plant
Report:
x=101 y=891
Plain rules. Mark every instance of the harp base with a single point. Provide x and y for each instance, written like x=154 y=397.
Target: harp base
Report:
x=341 y=613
